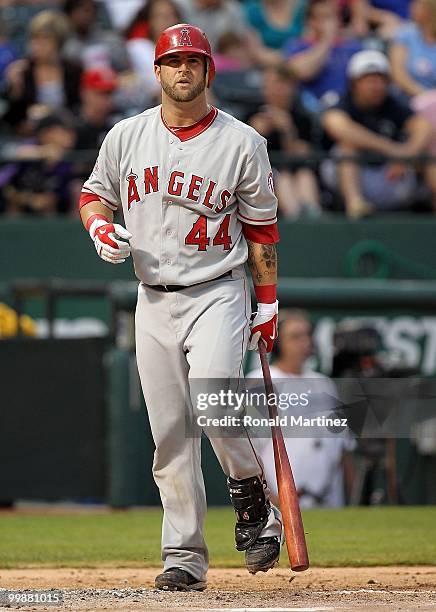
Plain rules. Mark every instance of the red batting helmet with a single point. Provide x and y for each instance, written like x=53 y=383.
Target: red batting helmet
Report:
x=185 y=38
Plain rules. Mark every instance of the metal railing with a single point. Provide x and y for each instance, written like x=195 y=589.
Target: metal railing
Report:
x=325 y=293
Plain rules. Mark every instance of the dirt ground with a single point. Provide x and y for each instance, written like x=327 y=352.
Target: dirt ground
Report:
x=375 y=588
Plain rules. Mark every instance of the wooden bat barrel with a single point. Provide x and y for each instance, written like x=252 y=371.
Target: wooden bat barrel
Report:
x=289 y=505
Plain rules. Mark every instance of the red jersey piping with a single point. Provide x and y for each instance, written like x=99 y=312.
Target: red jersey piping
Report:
x=257 y=220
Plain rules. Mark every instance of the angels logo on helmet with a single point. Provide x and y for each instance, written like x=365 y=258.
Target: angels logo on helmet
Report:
x=185 y=39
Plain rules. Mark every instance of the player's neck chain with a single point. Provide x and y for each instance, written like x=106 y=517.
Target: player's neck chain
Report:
x=181 y=127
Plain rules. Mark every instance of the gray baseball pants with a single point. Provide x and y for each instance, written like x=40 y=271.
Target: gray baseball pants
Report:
x=196 y=333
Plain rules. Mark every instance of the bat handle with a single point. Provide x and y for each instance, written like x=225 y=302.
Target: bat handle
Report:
x=265 y=366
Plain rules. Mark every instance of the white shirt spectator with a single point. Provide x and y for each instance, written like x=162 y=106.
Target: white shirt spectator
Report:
x=316 y=462
x=122 y=12
x=141 y=53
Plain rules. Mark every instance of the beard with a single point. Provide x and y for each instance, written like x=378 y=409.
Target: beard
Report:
x=183 y=96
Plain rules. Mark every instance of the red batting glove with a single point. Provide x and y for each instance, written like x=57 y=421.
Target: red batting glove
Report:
x=106 y=240
x=264 y=325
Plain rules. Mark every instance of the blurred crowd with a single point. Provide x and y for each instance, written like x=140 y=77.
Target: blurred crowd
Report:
x=344 y=91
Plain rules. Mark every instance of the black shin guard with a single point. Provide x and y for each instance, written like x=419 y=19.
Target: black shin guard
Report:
x=251 y=508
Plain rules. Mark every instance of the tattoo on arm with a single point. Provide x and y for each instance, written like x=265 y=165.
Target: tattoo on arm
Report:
x=261 y=261
x=269 y=256
x=252 y=263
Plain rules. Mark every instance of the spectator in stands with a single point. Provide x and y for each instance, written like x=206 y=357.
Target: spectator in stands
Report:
x=96 y=117
x=89 y=43
x=321 y=465
x=276 y=21
x=413 y=61
x=283 y=121
x=43 y=77
x=41 y=183
x=353 y=14
x=218 y=17
x=96 y=112
x=232 y=54
x=400 y=8
x=215 y=17
x=320 y=58
x=103 y=48
x=152 y=18
x=413 y=50
x=149 y=22
x=369 y=120
x=121 y=12
x=8 y=53
x=386 y=16
x=425 y=105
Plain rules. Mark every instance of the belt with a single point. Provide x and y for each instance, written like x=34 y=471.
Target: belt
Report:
x=169 y=288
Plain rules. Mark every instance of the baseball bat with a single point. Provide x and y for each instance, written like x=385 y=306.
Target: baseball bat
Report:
x=288 y=496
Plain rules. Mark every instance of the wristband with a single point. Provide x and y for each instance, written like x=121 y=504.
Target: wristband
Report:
x=267 y=310
x=90 y=223
x=266 y=294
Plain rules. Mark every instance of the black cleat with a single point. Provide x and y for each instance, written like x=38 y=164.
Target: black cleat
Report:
x=177 y=579
x=262 y=555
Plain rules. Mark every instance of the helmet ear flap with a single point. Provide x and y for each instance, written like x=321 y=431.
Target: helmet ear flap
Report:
x=207 y=72
x=210 y=71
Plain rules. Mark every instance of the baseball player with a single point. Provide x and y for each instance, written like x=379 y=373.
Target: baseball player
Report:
x=195 y=187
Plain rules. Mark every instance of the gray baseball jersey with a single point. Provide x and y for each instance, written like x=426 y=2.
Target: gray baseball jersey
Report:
x=186 y=194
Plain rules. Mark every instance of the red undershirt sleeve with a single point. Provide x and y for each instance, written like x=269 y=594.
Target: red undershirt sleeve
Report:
x=262 y=234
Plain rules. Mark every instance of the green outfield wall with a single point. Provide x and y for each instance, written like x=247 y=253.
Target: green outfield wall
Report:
x=393 y=246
